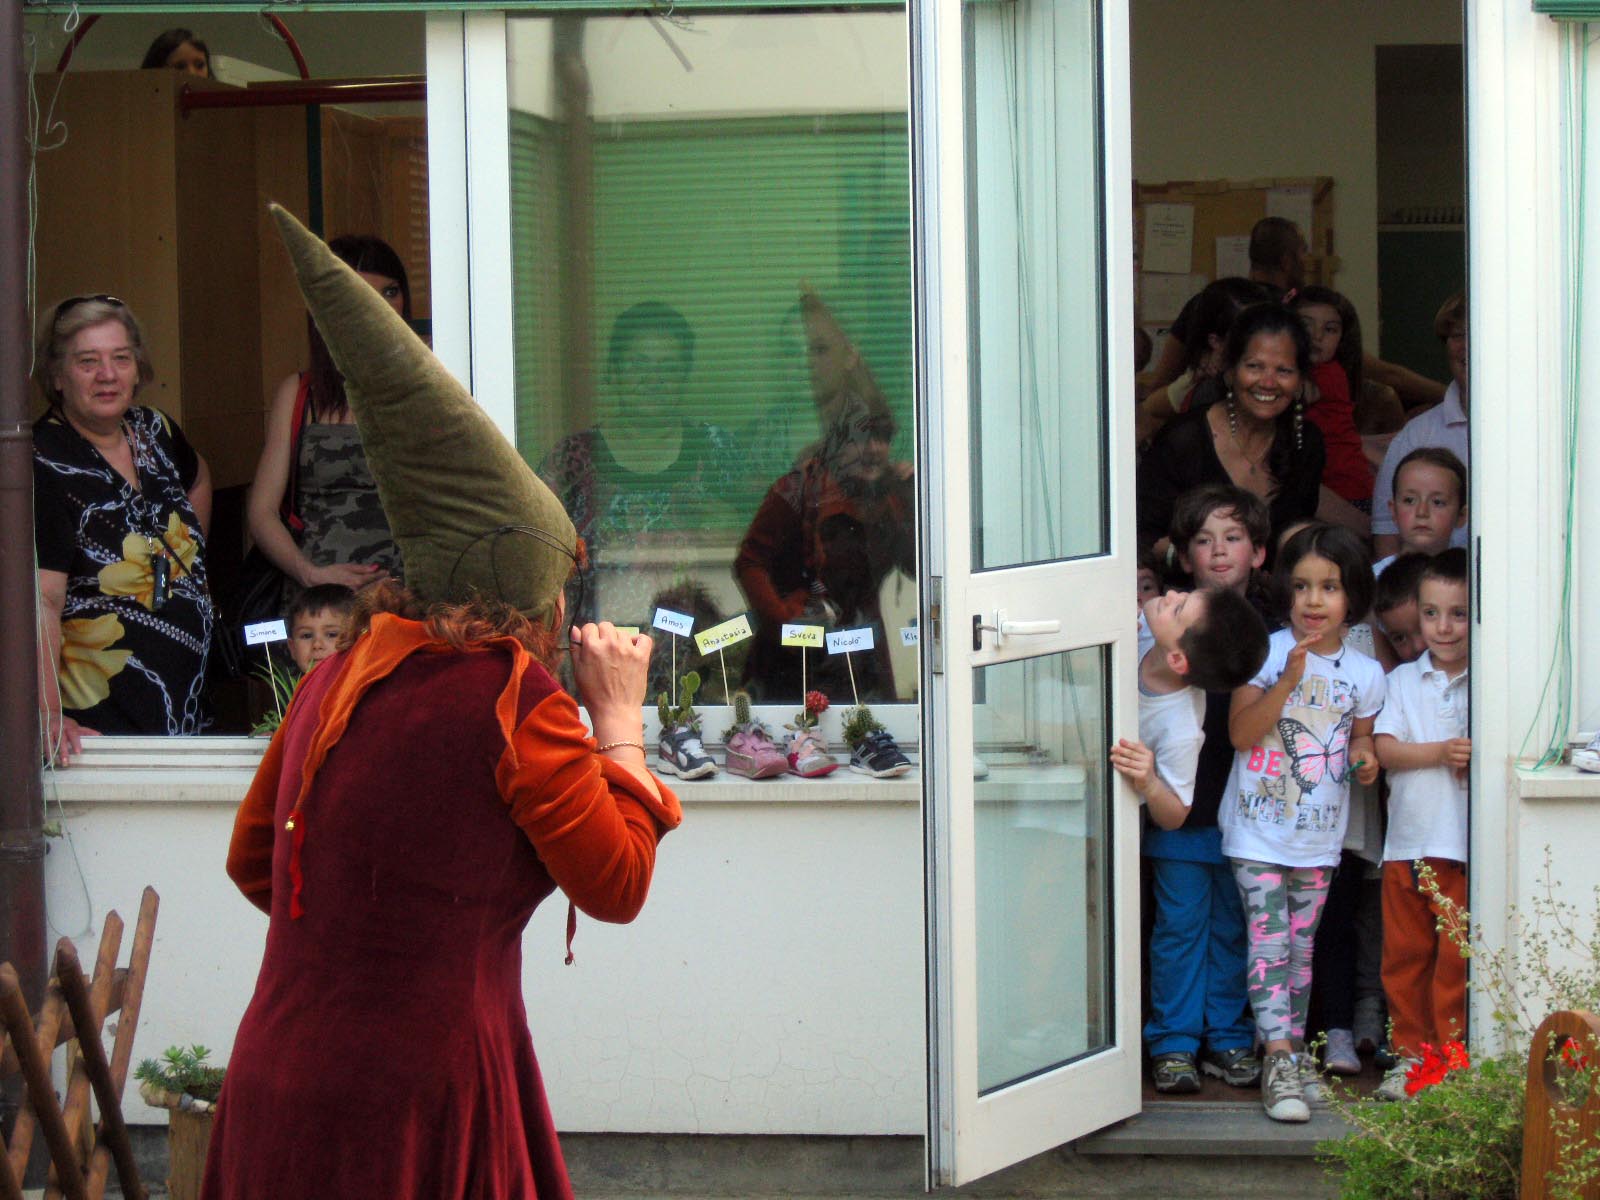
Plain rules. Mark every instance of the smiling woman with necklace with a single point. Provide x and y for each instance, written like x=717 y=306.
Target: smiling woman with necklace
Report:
x=1255 y=437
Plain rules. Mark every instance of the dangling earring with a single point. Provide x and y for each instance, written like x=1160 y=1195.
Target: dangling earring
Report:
x=1299 y=410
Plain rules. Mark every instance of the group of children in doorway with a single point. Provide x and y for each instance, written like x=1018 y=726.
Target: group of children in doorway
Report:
x=1272 y=720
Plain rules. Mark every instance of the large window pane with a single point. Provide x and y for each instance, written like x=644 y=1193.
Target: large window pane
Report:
x=1038 y=442
x=713 y=326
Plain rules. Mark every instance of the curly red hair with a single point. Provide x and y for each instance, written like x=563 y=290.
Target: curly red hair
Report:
x=461 y=626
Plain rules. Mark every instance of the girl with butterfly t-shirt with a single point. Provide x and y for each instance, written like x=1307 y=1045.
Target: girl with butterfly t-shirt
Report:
x=1301 y=729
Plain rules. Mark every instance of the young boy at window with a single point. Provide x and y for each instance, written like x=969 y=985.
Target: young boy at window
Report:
x=1429 y=504
x=1397 y=630
x=318 y=618
x=1421 y=738
x=1197 y=947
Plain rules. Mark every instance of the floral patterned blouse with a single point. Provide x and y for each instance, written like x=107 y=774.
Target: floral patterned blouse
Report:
x=131 y=661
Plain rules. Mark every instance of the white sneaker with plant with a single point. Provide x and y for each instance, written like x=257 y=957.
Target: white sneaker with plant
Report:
x=680 y=751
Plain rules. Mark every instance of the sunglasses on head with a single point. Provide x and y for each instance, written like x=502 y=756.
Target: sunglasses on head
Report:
x=72 y=302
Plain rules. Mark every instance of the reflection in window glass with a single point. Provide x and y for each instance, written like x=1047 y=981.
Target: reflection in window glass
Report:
x=1043 y=865
x=1037 y=429
x=713 y=322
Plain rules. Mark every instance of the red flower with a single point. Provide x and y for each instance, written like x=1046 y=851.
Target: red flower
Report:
x=1434 y=1065
x=816 y=703
x=1573 y=1057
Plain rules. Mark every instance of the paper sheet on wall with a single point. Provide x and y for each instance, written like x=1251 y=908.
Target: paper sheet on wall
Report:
x=1293 y=203
x=1168 y=238
x=1162 y=297
x=1233 y=256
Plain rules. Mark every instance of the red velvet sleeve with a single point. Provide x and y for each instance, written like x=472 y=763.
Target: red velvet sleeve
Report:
x=250 y=849
x=594 y=827
x=773 y=537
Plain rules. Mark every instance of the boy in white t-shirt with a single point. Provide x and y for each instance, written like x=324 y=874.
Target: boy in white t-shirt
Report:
x=1189 y=643
x=1421 y=738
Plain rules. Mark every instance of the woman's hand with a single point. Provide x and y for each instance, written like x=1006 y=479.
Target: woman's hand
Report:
x=63 y=738
x=610 y=669
x=354 y=576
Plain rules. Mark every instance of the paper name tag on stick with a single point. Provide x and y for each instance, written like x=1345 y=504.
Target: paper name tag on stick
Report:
x=908 y=636
x=802 y=635
x=679 y=623
x=726 y=634
x=265 y=631
x=631 y=631
x=844 y=641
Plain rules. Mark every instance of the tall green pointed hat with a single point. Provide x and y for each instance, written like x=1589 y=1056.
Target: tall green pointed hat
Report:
x=469 y=515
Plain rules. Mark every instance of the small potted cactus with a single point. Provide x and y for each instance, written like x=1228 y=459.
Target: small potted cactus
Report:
x=680 y=751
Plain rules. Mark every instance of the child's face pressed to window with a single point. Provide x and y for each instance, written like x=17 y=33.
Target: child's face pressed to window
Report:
x=1222 y=554
x=1403 y=627
x=1323 y=324
x=1318 y=603
x=1442 y=606
x=315 y=636
x=1427 y=506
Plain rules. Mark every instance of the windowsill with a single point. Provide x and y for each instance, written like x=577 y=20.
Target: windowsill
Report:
x=1555 y=783
x=218 y=770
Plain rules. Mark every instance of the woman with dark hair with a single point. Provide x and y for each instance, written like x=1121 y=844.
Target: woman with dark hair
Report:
x=121 y=504
x=430 y=786
x=313 y=507
x=1255 y=436
x=1205 y=335
x=178 y=50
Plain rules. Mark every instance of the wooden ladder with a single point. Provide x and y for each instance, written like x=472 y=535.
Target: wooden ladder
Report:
x=74 y=1011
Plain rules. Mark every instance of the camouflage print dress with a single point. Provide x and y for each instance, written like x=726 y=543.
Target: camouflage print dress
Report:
x=337 y=499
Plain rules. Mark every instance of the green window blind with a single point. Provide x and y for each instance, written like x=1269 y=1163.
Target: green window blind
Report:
x=723 y=219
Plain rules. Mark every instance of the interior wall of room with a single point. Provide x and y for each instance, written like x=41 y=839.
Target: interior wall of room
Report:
x=1244 y=89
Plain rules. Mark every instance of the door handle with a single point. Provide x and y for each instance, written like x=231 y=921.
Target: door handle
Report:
x=1002 y=629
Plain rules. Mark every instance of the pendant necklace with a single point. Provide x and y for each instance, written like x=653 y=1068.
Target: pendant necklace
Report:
x=1253 y=464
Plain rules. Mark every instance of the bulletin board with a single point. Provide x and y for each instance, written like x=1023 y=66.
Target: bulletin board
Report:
x=1191 y=232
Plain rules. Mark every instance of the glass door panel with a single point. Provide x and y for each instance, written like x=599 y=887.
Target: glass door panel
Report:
x=1038 y=443
x=1042 y=845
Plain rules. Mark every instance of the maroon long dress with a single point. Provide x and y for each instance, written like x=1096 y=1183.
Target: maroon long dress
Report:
x=386 y=1051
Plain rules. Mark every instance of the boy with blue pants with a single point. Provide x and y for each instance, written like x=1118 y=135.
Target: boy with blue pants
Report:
x=1199 y=1011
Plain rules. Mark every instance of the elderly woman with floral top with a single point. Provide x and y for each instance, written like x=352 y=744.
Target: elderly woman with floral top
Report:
x=121 y=504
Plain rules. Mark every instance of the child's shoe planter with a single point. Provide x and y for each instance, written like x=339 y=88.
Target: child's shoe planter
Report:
x=681 y=754
x=750 y=753
x=808 y=757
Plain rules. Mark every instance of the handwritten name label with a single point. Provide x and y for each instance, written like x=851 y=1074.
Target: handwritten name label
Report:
x=265 y=631
x=802 y=635
x=726 y=634
x=844 y=641
x=908 y=636
x=679 y=623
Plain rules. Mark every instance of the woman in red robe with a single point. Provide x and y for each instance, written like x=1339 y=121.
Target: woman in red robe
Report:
x=431 y=784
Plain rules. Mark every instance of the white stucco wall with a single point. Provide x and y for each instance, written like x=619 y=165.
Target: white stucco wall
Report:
x=773 y=983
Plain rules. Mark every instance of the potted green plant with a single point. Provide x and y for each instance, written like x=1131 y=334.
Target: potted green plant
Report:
x=187 y=1086
x=1458 y=1135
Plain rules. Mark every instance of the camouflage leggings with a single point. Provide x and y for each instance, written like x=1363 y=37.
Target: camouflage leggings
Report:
x=1282 y=906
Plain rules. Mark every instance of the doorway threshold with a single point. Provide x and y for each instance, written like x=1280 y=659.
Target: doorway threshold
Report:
x=1227 y=1129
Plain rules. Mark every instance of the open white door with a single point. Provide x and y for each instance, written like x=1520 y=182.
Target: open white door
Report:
x=1024 y=258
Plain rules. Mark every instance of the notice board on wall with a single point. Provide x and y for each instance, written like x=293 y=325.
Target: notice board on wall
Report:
x=1190 y=232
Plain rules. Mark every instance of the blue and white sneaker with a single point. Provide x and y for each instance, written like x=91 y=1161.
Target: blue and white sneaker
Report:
x=681 y=754
x=879 y=756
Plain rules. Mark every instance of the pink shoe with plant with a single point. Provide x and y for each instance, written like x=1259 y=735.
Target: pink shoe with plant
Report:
x=808 y=753
x=751 y=751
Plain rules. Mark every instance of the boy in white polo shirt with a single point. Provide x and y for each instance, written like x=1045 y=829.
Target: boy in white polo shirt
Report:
x=1421 y=739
